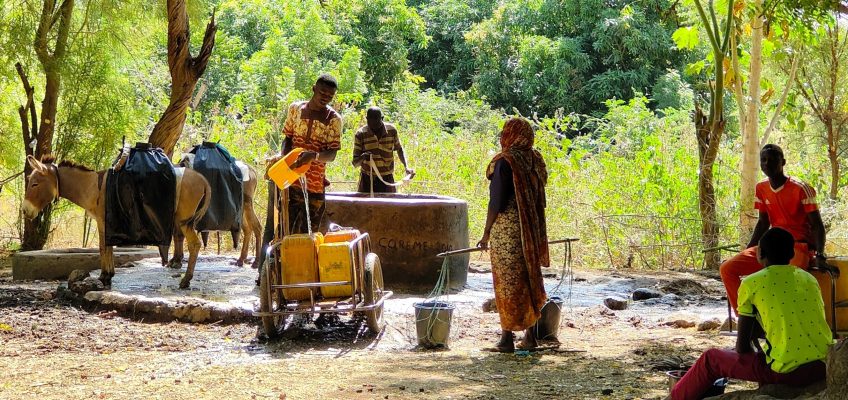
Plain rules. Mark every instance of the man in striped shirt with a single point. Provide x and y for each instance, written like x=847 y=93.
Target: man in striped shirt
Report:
x=783 y=202
x=377 y=141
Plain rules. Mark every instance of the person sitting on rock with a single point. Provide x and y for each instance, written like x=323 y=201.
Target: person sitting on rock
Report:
x=781 y=304
x=377 y=141
x=782 y=202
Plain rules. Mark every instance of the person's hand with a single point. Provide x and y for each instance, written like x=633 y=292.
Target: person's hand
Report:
x=410 y=172
x=305 y=157
x=484 y=241
x=819 y=262
x=271 y=160
x=365 y=156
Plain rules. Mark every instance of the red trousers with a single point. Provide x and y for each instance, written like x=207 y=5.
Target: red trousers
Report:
x=745 y=263
x=715 y=364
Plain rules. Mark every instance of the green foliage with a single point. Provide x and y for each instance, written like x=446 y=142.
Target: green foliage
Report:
x=671 y=91
x=385 y=30
x=537 y=56
x=447 y=62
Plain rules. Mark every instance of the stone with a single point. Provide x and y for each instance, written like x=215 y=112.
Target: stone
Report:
x=680 y=323
x=727 y=325
x=684 y=287
x=709 y=325
x=670 y=299
x=615 y=303
x=645 y=294
x=490 y=306
x=78 y=275
x=89 y=284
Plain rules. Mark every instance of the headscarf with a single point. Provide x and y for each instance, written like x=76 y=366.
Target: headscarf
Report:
x=529 y=175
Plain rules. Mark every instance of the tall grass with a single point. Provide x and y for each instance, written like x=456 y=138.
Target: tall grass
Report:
x=626 y=186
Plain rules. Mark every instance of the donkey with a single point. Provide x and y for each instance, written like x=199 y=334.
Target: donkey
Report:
x=250 y=225
x=87 y=188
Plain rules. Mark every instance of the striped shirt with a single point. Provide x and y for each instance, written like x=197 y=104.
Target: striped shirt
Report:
x=382 y=149
x=787 y=206
x=314 y=135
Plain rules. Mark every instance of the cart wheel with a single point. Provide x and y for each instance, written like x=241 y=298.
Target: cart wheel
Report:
x=373 y=290
x=270 y=324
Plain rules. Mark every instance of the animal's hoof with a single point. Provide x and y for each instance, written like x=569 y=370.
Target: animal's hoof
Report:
x=185 y=283
x=239 y=263
x=175 y=264
x=255 y=265
x=106 y=280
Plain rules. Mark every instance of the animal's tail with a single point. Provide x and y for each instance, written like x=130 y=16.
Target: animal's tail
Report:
x=204 y=204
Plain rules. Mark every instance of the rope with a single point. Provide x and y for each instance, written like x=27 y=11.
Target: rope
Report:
x=566 y=271
x=440 y=290
x=375 y=171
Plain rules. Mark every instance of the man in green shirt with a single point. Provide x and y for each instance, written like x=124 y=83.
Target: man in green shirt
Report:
x=782 y=302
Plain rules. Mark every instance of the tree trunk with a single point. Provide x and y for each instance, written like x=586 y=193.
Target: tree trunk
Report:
x=750 y=129
x=185 y=71
x=36 y=230
x=833 y=156
x=706 y=190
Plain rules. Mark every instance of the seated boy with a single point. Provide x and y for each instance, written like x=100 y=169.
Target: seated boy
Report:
x=784 y=303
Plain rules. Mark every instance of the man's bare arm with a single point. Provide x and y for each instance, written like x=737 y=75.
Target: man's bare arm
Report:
x=763 y=224
x=745 y=334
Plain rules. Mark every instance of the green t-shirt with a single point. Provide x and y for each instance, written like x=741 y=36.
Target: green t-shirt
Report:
x=788 y=304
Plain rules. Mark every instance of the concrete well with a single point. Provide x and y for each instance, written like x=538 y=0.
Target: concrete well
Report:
x=407 y=231
x=55 y=264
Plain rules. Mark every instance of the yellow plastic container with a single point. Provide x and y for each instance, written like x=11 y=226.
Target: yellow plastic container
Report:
x=841 y=293
x=333 y=266
x=282 y=175
x=299 y=256
x=341 y=236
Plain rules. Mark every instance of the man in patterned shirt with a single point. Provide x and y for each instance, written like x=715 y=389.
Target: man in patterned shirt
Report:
x=378 y=141
x=315 y=127
x=783 y=202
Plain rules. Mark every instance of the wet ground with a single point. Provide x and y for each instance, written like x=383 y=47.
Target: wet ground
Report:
x=51 y=349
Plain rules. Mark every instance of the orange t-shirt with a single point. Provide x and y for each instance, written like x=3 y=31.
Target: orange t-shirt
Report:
x=787 y=206
x=314 y=135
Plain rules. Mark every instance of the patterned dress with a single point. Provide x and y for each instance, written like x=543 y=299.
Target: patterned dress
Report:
x=512 y=291
x=518 y=237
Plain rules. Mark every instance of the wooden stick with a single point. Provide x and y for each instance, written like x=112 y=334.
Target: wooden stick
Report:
x=476 y=249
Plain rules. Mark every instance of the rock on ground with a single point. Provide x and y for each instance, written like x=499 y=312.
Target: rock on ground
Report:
x=86 y=285
x=709 y=325
x=680 y=323
x=645 y=294
x=615 y=303
x=77 y=275
x=684 y=287
x=490 y=306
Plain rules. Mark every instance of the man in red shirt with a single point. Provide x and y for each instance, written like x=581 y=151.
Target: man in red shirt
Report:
x=782 y=202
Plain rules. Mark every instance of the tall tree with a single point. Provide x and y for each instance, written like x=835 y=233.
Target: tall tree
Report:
x=823 y=82
x=710 y=127
x=185 y=71
x=50 y=45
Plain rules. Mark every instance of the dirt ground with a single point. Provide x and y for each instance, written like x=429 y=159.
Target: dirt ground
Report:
x=52 y=349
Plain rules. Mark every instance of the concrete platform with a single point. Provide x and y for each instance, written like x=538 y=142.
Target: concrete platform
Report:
x=55 y=264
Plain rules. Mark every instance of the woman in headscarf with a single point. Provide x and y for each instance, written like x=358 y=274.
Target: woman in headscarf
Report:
x=516 y=234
